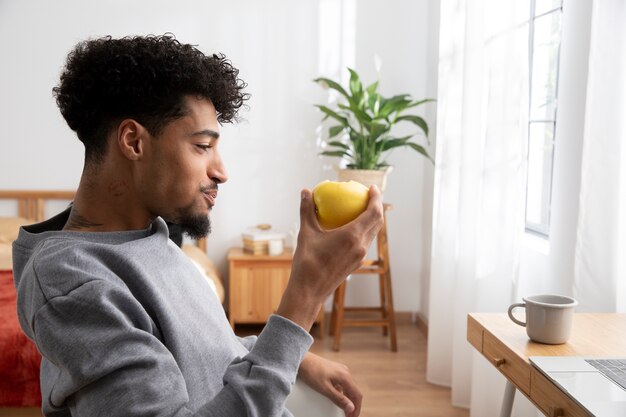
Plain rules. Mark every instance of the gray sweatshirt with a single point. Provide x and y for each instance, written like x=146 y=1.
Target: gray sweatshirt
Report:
x=127 y=326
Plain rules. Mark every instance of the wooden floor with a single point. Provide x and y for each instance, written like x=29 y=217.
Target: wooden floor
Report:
x=393 y=384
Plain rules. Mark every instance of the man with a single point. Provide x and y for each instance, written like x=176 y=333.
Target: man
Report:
x=125 y=325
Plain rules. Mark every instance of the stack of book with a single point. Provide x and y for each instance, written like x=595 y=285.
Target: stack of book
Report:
x=256 y=239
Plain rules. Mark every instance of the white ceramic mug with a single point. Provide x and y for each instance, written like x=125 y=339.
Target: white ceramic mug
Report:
x=548 y=317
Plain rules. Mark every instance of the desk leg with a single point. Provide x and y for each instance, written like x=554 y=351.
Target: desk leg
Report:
x=507 y=400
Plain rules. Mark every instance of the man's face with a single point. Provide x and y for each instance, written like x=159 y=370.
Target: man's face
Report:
x=183 y=169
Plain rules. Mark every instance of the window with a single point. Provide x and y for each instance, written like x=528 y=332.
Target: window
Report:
x=544 y=45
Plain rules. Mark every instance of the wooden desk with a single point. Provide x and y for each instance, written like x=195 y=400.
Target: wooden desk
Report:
x=507 y=347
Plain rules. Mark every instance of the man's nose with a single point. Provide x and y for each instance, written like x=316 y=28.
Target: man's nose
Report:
x=216 y=169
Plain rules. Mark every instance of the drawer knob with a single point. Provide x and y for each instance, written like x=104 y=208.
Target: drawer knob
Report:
x=556 y=412
x=498 y=362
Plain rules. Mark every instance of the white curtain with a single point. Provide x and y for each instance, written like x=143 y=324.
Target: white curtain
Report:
x=479 y=180
x=479 y=185
x=600 y=269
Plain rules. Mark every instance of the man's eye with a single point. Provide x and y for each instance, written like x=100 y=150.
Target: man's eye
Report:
x=204 y=147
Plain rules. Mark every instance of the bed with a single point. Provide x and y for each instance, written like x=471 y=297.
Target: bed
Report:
x=19 y=358
x=19 y=361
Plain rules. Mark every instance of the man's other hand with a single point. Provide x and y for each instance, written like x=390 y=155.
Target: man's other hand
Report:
x=332 y=380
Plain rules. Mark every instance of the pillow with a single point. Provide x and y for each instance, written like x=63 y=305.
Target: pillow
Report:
x=208 y=279
x=204 y=264
x=10 y=227
x=6 y=260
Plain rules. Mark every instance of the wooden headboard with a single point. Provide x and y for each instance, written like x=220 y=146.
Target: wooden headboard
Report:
x=31 y=204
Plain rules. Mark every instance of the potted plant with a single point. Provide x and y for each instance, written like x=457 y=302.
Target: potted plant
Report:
x=362 y=135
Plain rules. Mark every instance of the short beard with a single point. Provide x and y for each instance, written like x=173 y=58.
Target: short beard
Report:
x=196 y=227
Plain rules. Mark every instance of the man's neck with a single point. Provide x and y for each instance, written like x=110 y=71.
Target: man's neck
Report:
x=78 y=222
x=104 y=203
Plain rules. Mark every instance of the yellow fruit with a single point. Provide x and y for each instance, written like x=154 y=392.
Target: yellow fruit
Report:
x=339 y=203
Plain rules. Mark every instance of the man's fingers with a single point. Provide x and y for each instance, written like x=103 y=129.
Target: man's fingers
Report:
x=372 y=218
x=375 y=196
x=307 y=208
x=342 y=401
x=353 y=394
x=374 y=205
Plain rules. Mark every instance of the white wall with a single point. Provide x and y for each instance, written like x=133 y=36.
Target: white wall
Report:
x=279 y=46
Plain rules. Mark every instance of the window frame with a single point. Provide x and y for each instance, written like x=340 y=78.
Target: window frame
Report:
x=542 y=229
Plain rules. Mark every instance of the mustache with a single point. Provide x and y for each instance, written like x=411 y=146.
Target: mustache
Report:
x=207 y=188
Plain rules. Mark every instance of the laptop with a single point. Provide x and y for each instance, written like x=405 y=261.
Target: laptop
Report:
x=596 y=384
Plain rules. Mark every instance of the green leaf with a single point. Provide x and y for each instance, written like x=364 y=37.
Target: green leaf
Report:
x=335 y=130
x=356 y=138
x=421 y=150
x=372 y=88
x=415 y=120
x=358 y=143
x=374 y=104
x=379 y=147
x=335 y=153
x=338 y=144
x=376 y=129
x=420 y=102
x=372 y=97
x=332 y=84
x=396 y=142
x=334 y=115
x=359 y=114
x=394 y=104
x=356 y=88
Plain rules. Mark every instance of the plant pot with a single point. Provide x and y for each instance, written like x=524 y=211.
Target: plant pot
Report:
x=367 y=177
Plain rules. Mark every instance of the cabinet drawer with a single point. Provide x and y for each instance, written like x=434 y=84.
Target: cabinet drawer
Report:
x=475 y=333
x=550 y=399
x=511 y=365
x=255 y=291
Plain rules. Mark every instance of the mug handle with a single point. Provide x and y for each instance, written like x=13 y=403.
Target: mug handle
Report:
x=516 y=321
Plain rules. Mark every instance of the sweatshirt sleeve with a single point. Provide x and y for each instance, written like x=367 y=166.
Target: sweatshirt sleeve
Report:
x=110 y=363
x=248 y=341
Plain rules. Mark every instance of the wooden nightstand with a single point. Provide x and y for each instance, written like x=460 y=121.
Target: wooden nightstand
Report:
x=256 y=285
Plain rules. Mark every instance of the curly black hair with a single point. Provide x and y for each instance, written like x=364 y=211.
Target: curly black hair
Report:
x=145 y=78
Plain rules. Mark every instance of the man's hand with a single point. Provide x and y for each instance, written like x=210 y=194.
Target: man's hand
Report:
x=332 y=380
x=324 y=258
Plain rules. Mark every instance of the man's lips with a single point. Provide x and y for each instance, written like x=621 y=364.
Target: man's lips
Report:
x=210 y=197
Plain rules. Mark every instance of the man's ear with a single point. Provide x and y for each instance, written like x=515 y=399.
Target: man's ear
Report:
x=131 y=139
